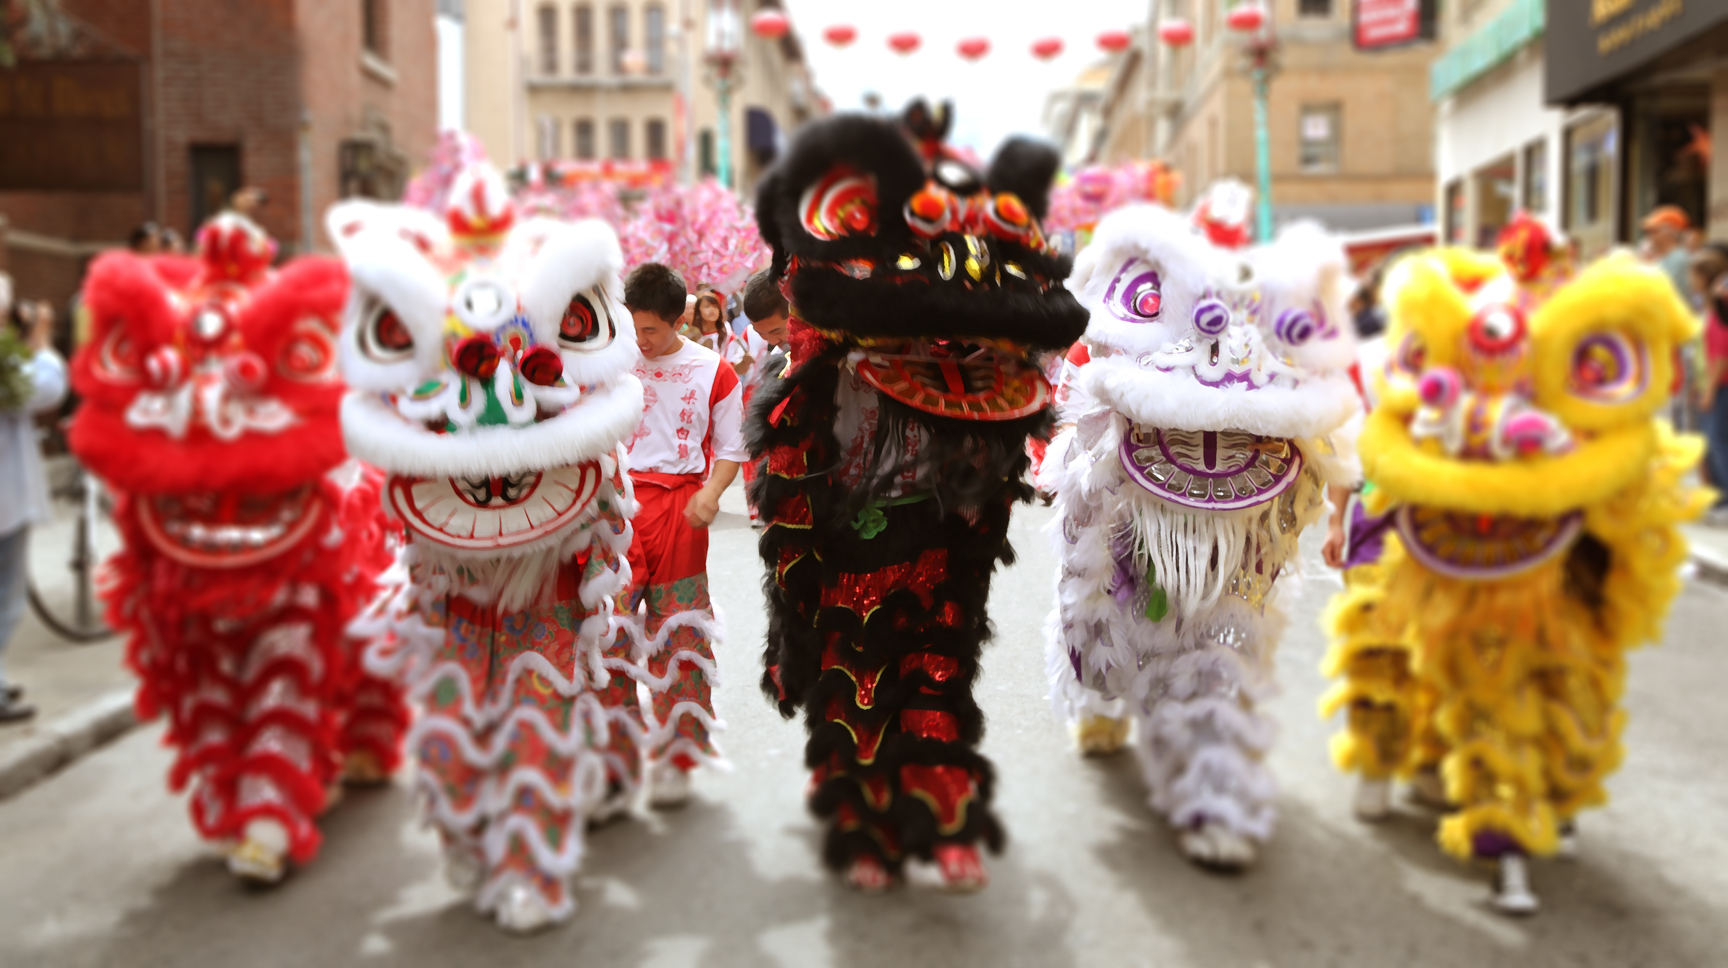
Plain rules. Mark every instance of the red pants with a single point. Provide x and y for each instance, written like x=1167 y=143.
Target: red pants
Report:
x=669 y=593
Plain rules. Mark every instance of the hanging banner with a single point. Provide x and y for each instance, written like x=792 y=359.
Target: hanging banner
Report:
x=71 y=126
x=1384 y=24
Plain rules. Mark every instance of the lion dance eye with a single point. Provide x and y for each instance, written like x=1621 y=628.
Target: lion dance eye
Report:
x=1135 y=299
x=1295 y=326
x=842 y=203
x=385 y=338
x=1497 y=330
x=1607 y=367
x=584 y=327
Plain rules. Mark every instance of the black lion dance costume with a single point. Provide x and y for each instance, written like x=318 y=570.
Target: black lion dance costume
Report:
x=889 y=456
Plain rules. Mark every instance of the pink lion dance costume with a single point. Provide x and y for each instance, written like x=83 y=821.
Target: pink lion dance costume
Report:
x=490 y=359
x=210 y=394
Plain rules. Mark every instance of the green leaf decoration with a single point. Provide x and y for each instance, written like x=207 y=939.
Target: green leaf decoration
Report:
x=870 y=522
x=1158 y=604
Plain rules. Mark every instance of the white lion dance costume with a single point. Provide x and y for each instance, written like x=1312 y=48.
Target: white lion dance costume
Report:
x=490 y=365
x=1207 y=425
x=1529 y=503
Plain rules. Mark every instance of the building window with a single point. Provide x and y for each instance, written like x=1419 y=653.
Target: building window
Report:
x=374 y=26
x=1536 y=176
x=215 y=179
x=1455 y=211
x=548 y=15
x=1314 y=8
x=1592 y=162
x=705 y=152
x=618 y=19
x=1496 y=197
x=1319 y=136
x=654 y=136
x=583 y=17
x=548 y=137
x=618 y=139
x=585 y=139
x=654 y=34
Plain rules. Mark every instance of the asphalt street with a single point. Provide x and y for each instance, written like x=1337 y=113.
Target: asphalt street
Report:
x=100 y=867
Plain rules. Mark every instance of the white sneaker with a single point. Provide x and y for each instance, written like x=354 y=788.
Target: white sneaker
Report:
x=1216 y=846
x=1512 y=894
x=262 y=854
x=1100 y=735
x=522 y=910
x=1373 y=800
x=668 y=786
x=464 y=868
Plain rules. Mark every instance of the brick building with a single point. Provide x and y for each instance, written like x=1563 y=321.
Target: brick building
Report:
x=1351 y=133
x=126 y=111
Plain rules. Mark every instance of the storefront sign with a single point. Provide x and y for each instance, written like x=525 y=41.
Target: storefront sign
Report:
x=1592 y=43
x=1382 y=24
x=71 y=126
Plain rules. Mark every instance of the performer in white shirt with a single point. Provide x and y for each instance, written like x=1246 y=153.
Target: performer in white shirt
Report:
x=684 y=454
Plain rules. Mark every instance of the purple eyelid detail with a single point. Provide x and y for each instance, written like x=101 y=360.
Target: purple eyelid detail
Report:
x=1211 y=317
x=1122 y=297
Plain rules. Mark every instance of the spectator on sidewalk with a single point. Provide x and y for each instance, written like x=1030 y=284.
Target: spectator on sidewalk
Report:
x=32 y=380
x=1665 y=230
x=1709 y=275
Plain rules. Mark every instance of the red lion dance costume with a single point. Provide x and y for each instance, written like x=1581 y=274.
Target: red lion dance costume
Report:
x=891 y=454
x=490 y=359
x=210 y=394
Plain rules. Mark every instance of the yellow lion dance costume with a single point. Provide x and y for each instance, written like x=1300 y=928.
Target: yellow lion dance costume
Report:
x=1530 y=501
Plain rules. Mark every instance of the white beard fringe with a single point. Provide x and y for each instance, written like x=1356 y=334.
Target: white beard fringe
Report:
x=1194 y=679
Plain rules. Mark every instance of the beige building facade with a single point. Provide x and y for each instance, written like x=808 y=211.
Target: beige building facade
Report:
x=1351 y=134
x=627 y=81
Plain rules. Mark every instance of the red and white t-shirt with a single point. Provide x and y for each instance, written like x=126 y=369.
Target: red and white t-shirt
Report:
x=692 y=413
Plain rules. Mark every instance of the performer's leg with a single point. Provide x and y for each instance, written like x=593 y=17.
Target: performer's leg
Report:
x=1202 y=741
x=534 y=842
x=374 y=719
x=286 y=751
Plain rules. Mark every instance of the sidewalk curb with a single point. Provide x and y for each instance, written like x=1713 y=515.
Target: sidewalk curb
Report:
x=64 y=740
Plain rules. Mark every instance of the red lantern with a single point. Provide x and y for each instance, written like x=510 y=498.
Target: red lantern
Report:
x=1247 y=17
x=1047 y=48
x=770 y=24
x=904 y=43
x=973 y=48
x=1114 y=41
x=1176 y=32
x=840 y=35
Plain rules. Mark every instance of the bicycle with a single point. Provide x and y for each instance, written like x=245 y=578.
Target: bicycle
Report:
x=70 y=610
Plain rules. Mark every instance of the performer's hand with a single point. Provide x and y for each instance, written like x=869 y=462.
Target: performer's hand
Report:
x=1333 y=549
x=701 y=510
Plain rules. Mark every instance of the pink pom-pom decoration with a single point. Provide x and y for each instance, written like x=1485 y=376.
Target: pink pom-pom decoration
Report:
x=1440 y=387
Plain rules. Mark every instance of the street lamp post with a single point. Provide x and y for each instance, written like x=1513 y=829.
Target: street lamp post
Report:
x=1251 y=19
x=725 y=42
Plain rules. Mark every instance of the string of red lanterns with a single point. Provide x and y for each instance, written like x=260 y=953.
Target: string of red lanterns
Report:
x=1246 y=16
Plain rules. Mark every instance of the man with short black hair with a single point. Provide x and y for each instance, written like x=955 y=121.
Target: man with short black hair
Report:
x=684 y=454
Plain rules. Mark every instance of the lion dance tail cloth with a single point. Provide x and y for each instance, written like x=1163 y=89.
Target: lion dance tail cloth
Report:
x=1533 y=501
x=490 y=364
x=1208 y=420
x=889 y=457
x=211 y=394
